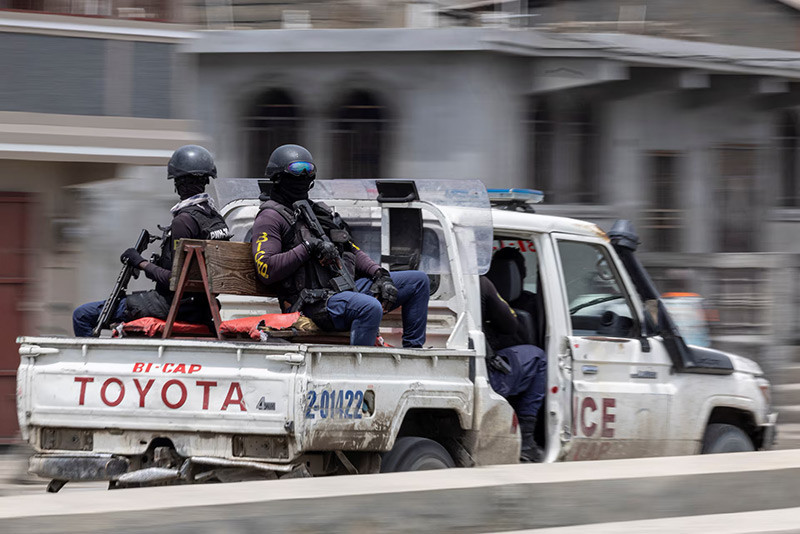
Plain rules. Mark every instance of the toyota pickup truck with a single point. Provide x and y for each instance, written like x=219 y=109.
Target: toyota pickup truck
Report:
x=621 y=381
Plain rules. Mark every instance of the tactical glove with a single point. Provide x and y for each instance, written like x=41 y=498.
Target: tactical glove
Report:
x=383 y=289
x=324 y=251
x=132 y=257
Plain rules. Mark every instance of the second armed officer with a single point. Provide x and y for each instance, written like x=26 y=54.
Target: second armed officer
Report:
x=302 y=267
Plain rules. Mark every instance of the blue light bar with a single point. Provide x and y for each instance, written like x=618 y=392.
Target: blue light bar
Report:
x=528 y=196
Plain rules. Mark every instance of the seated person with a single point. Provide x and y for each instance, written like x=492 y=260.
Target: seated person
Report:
x=194 y=217
x=507 y=273
x=301 y=266
x=517 y=371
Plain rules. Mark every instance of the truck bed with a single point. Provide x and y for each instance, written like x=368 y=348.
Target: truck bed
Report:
x=124 y=393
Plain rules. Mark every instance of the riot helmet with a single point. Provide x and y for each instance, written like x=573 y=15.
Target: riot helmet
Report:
x=191 y=160
x=191 y=167
x=292 y=169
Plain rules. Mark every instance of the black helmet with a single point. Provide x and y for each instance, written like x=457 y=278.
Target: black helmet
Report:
x=292 y=160
x=191 y=161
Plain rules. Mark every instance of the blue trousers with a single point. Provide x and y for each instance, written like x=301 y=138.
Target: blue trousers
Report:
x=525 y=386
x=361 y=313
x=85 y=316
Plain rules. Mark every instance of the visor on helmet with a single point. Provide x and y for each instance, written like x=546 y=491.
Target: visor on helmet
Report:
x=297 y=168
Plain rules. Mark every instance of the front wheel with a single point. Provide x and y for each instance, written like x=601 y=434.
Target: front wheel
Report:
x=416 y=454
x=722 y=437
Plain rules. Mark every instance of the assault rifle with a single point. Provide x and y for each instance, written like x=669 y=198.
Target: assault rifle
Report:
x=121 y=284
x=342 y=281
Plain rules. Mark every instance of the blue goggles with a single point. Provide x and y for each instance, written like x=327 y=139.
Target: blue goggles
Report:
x=297 y=168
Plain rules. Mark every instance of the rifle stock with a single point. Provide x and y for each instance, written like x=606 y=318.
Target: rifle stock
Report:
x=120 y=286
x=342 y=281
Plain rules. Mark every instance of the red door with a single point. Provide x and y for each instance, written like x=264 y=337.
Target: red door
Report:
x=14 y=211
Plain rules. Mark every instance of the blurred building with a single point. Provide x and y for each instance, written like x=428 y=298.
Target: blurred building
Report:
x=90 y=111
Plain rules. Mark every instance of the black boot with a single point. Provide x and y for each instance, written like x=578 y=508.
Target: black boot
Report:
x=530 y=452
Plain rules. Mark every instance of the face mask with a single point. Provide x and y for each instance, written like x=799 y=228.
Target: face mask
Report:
x=189 y=189
x=293 y=188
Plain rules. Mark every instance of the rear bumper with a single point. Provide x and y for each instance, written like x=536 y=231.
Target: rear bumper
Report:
x=78 y=467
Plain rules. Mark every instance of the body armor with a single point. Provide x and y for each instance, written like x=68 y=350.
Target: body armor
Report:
x=156 y=302
x=311 y=282
x=212 y=226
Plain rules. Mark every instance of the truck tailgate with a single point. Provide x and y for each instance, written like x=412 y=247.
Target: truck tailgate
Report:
x=148 y=384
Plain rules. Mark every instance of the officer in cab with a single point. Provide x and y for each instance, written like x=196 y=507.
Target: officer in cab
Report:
x=327 y=277
x=194 y=217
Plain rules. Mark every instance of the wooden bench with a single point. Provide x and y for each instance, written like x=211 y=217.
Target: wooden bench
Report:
x=212 y=267
x=225 y=267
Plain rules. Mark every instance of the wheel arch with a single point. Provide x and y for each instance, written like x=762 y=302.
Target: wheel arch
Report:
x=738 y=417
x=442 y=425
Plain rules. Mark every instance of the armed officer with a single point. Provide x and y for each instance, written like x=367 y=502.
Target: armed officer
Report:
x=303 y=267
x=517 y=371
x=194 y=217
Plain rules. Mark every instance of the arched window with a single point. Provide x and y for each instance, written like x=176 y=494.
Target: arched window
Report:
x=358 y=132
x=273 y=120
x=541 y=133
x=787 y=145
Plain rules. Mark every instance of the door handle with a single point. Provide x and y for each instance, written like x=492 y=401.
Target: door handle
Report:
x=589 y=369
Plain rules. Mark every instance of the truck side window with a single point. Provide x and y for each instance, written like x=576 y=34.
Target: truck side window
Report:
x=597 y=303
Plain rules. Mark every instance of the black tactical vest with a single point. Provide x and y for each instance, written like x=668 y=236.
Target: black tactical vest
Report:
x=194 y=307
x=212 y=226
x=311 y=275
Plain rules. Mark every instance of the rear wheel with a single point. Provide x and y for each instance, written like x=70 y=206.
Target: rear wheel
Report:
x=416 y=454
x=722 y=437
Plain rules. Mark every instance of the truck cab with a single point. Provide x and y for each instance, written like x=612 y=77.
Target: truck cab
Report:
x=629 y=386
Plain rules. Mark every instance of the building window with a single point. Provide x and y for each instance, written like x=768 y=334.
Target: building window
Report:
x=358 y=135
x=541 y=132
x=563 y=154
x=663 y=219
x=738 y=197
x=582 y=130
x=273 y=120
x=160 y=10
x=787 y=145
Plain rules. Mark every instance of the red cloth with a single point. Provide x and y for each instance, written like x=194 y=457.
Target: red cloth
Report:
x=248 y=325
x=150 y=327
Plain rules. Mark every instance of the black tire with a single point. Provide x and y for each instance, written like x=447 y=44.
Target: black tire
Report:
x=416 y=454
x=721 y=437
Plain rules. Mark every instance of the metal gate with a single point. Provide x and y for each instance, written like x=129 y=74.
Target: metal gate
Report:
x=14 y=211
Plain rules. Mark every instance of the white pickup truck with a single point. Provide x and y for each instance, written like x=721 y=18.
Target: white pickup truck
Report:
x=621 y=381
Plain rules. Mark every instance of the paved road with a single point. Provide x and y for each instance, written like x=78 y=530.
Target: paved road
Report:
x=724 y=494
